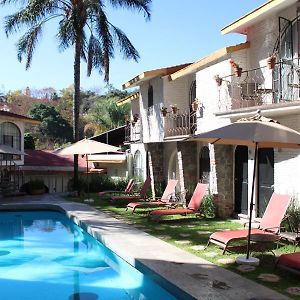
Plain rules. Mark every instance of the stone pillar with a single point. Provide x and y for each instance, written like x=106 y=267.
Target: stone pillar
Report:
x=187 y=162
x=156 y=164
x=224 y=199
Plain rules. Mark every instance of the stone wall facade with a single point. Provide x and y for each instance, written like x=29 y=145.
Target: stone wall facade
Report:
x=224 y=199
x=156 y=164
x=188 y=163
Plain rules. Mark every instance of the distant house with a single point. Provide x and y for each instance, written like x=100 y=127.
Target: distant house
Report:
x=55 y=170
x=12 y=128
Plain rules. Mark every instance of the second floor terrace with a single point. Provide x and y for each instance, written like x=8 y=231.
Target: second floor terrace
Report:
x=270 y=85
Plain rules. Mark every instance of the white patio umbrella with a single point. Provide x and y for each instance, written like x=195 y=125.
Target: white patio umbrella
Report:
x=86 y=147
x=257 y=132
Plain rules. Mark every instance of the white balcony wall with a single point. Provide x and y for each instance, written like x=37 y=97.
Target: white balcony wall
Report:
x=151 y=117
x=208 y=95
x=178 y=92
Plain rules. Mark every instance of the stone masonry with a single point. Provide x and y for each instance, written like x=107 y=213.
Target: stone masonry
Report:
x=224 y=199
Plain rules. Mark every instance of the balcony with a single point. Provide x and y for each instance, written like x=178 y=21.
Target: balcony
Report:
x=261 y=87
x=133 y=132
x=179 y=124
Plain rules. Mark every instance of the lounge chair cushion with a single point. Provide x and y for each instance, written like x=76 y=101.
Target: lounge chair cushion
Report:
x=291 y=260
x=174 y=211
x=226 y=236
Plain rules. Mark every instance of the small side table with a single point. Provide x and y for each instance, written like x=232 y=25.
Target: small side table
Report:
x=263 y=242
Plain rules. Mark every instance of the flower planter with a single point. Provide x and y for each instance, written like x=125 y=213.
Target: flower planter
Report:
x=195 y=106
x=174 y=109
x=271 y=62
x=238 y=72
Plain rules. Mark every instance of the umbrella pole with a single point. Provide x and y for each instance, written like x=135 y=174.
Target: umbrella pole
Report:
x=87 y=175
x=251 y=200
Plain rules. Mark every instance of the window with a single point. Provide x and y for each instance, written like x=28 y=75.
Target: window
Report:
x=204 y=168
x=150 y=96
x=137 y=165
x=10 y=135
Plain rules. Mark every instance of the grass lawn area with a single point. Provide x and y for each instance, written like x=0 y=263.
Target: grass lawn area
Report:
x=191 y=234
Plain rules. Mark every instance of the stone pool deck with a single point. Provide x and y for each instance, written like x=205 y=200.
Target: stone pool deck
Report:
x=197 y=277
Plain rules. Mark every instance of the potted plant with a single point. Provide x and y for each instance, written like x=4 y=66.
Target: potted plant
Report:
x=135 y=117
x=237 y=69
x=218 y=79
x=174 y=108
x=271 y=60
x=164 y=110
x=195 y=104
x=36 y=187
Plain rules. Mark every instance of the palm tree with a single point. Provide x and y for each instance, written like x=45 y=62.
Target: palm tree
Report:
x=83 y=24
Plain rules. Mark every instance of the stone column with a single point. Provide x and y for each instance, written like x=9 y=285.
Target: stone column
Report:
x=156 y=164
x=224 y=199
x=187 y=162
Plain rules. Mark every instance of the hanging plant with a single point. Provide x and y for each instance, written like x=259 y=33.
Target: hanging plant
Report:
x=218 y=79
x=271 y=61
x=195 y=104
x=174 y=108
x=164 y=110
x=236 y=68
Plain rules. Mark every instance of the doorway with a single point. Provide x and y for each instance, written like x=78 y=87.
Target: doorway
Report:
x=241 y=180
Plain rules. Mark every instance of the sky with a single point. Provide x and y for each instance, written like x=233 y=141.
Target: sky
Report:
x=180 y=31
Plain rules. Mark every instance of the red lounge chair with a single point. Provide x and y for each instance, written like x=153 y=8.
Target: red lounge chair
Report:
x=290 y=261
x=126 y=191
x=164 y=200
x=141 y=195
x=192 y=208
x=270 y=223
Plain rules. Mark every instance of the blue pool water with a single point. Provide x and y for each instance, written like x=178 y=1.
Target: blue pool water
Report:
x=44 y=255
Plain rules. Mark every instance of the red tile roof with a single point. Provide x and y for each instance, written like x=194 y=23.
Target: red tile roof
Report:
x=9 y=114
x=47 y=158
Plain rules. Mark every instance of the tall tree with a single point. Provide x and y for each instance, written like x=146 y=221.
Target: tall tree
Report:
x=83 y=25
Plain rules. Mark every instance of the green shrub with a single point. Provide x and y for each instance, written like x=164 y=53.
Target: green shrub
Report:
x=293 y=216
x=207 y=208
x=36 y=184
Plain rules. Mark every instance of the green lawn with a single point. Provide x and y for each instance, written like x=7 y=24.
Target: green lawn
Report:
x=197 y=230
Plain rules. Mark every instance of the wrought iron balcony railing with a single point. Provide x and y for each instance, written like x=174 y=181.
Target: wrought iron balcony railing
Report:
x=261 y=86
x=133 y=132
x=177 y=124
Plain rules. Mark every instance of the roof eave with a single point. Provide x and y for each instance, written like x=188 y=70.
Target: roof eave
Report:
x=242 y=24
x=213 y=57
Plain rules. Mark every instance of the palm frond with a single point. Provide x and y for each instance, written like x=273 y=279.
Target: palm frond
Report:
x=125 y=45
x=106 y=42
x=27 y=44
x=139 y=5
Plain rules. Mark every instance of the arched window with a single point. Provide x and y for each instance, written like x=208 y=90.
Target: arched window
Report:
x=150 y=96
x=204 y=167
x=137 y=165
x=10 y=135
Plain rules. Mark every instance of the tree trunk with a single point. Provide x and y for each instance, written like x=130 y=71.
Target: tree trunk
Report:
x=76 y=104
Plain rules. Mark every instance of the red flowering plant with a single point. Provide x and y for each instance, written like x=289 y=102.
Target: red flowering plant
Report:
x=236 y=67
x=234 y=64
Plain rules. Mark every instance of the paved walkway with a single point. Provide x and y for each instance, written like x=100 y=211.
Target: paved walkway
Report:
x=198 y=277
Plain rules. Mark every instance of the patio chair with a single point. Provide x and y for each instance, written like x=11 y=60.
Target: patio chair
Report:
x=290 y=262
x=192 y=208
x=164 y=200
x=140 y=195
x=269 y=224
x=127 y=190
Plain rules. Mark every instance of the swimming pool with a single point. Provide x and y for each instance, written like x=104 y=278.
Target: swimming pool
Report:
x=44 y=255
